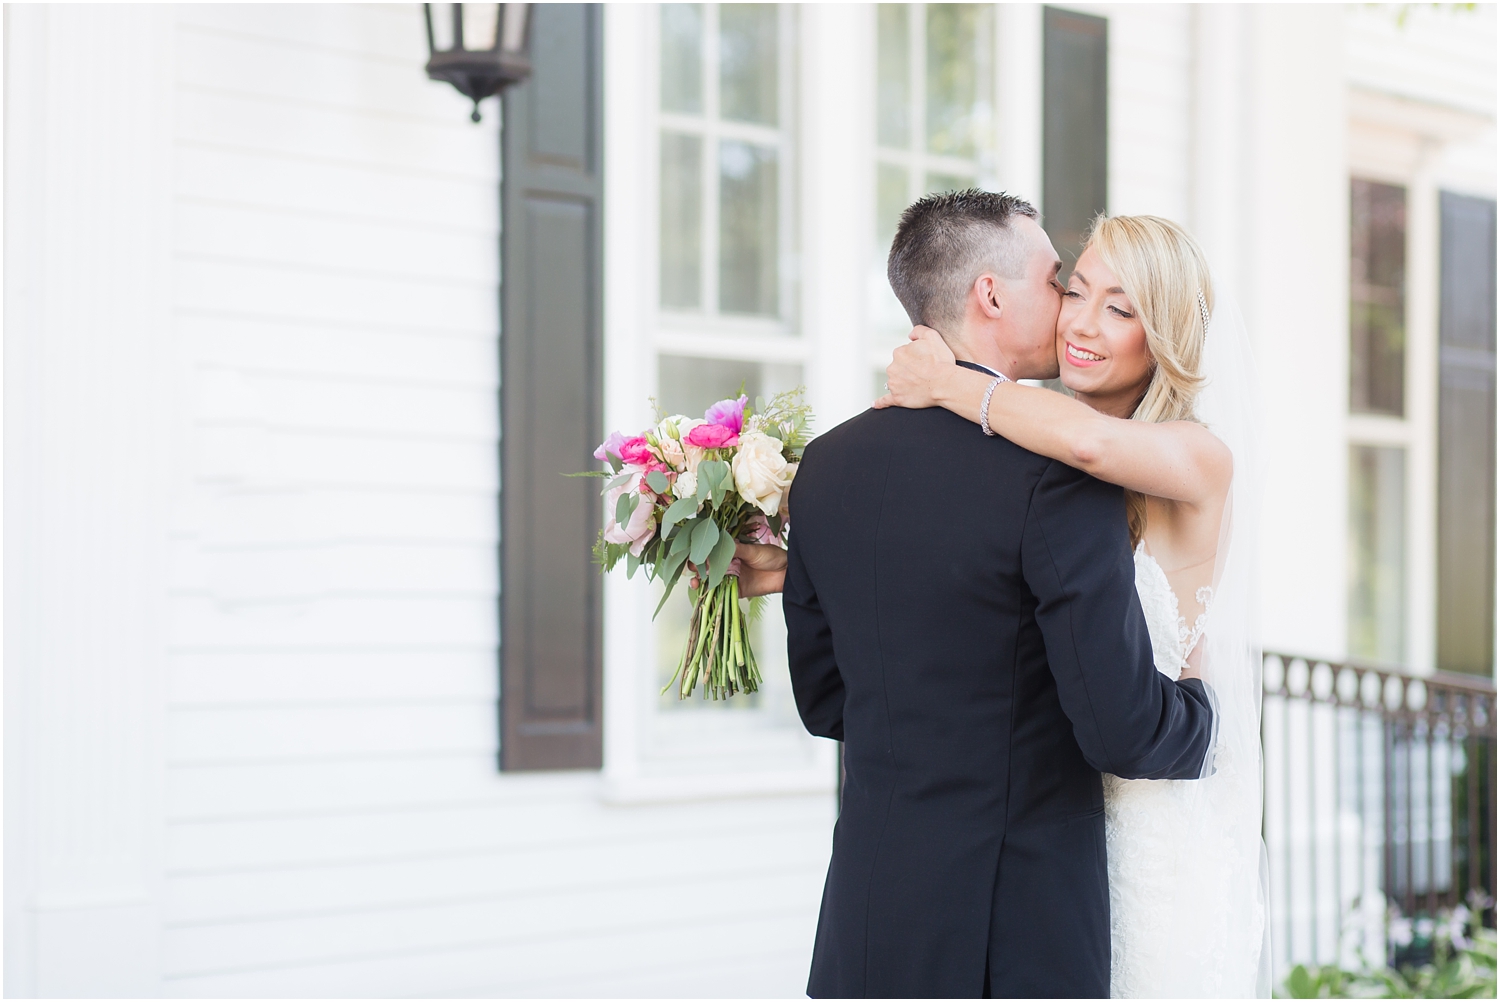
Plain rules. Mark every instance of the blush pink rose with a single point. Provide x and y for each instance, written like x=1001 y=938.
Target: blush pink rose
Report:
x=713 y=436
x=642 y=523
x=758 y=529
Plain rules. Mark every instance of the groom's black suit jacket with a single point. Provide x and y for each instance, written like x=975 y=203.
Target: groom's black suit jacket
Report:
x=962 y=614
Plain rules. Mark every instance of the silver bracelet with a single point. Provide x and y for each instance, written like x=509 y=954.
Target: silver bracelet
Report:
x=984 y=408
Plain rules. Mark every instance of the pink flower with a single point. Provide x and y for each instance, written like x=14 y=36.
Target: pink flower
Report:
x=638 y=530
x=636 y=452
x=728 y=413
x=713 y=436
x=758 y=529
x=609 y=447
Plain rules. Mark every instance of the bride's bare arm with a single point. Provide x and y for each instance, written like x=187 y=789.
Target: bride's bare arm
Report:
x=1177 y=460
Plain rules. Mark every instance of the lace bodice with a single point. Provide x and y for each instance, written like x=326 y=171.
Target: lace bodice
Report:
x=1158 y=872
x=1171 y=637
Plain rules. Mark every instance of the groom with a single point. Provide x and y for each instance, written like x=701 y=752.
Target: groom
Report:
x=962 y=614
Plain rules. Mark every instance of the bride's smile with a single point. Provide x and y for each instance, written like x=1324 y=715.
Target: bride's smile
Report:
x=1101 y=341
x=1082 y=357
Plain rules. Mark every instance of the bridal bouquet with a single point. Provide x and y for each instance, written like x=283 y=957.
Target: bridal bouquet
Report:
x=679 y=495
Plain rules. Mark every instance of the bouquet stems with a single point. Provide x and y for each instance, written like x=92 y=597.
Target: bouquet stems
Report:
x=718 y=653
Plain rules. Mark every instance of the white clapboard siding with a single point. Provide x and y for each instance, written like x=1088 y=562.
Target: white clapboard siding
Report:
x=336 y=824
x=1150 y=94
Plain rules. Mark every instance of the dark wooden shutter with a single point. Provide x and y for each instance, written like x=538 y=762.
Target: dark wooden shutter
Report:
x=1075 y=126
x=1466 y=437
x=551 y=680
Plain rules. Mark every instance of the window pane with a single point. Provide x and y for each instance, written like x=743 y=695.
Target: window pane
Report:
x=893 y=75
x=681 y=57
x=947 y=182
x=691 y=385
x=747 y=62
x=1466 y=437
x=1377 y=298
x=747 y=228
x=890 y=201
x=1075 y=126
x=1377 y=549
x=960 y=77
x=681 y=219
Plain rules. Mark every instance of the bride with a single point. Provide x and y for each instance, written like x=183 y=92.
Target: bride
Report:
x=1136 y=343
x=1161 y=406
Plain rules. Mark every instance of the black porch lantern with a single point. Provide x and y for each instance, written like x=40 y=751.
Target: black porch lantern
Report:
x=480 y=48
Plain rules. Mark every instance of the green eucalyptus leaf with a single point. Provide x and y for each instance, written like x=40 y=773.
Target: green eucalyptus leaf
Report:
x=657 y=481
x=632 y=564
x=683 y=539
x=667 y=592
x=719 y=558
x=710 y=472
x=679 y=510
x=624 y=507
x=704 y=538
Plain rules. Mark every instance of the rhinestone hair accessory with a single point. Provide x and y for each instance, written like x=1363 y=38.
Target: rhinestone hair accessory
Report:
x=1203 y=310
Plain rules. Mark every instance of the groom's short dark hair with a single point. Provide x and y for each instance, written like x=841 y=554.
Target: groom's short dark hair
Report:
x=946 y=241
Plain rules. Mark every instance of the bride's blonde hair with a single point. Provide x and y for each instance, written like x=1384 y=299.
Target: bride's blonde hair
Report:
x=1165 y=274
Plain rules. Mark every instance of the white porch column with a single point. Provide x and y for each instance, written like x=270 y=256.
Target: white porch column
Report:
x=836 y=147
x=1018 y=81
x=88 y=359
x=1295 y=270
x=1218 y=124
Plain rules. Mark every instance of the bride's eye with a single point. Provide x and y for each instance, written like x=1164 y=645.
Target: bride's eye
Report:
x=1122 y=314
x=1073 y=294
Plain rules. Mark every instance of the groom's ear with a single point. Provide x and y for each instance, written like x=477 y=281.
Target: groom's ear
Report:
x=991 y=296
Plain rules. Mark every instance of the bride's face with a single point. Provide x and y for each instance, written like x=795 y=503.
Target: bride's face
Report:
x=1101 y=342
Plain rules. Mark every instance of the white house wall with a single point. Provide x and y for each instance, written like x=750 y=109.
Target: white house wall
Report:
x=325 y=729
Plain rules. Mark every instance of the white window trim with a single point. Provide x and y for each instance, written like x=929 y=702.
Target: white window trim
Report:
x=652 y=755
x=737 y=336
x=1014 y=163
x=1388 y=143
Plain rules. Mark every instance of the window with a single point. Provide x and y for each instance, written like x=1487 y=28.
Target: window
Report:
x=1377 y=298
x=724 y=116
x=1377 y=548
x=1379 y=453
x=726 y=295
x=1466 y=437
x=935 y=126
x=1075 y=127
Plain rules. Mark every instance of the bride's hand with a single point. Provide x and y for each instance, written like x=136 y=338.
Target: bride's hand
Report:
x=917 y=371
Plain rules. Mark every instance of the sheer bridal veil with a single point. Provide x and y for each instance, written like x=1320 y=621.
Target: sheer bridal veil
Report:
x=1225 y=886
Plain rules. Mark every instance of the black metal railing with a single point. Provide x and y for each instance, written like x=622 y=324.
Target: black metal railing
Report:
x=1380 y=794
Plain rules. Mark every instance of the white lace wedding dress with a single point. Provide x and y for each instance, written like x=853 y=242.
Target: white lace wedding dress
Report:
x=1172 y=850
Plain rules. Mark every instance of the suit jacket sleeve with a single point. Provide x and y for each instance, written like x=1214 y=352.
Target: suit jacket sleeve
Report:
x=1128 y=718
x=816 y=682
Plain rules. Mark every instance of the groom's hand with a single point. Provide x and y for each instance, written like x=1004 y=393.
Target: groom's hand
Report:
x=762 y=568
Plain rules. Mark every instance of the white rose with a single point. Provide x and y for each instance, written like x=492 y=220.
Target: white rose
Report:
x=671 y=452
x=687 y=485
x=761 y=475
